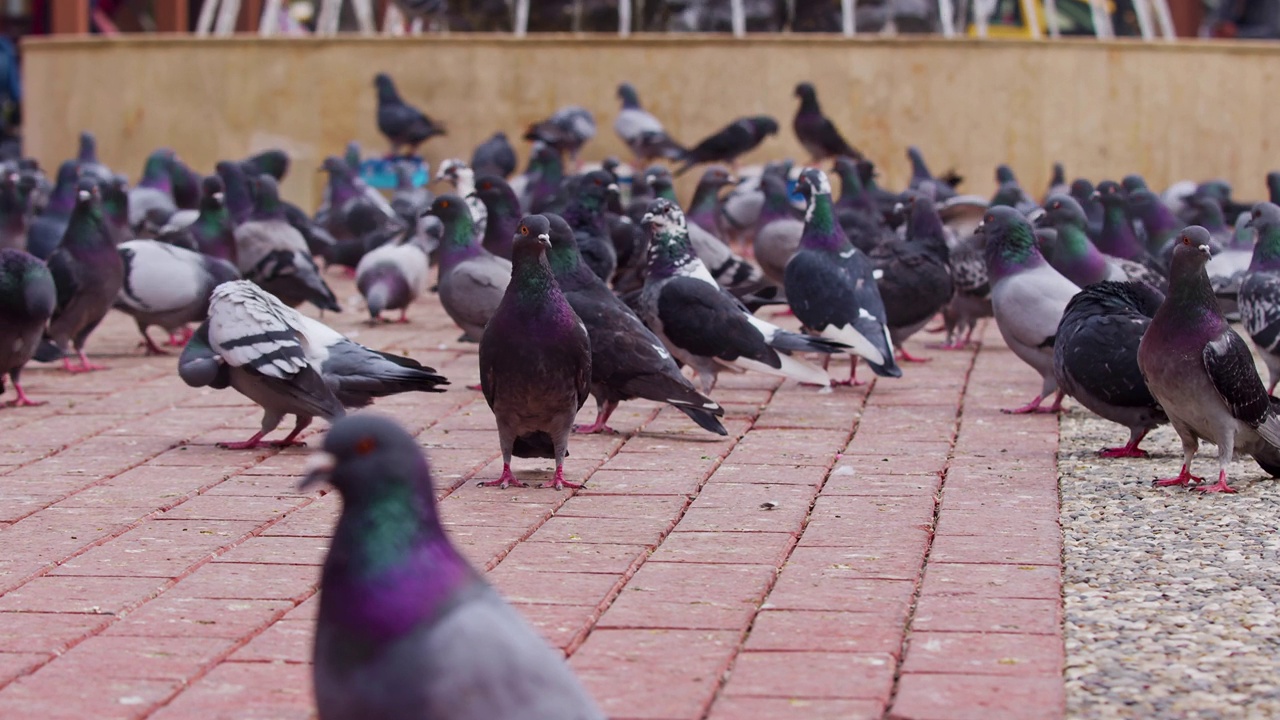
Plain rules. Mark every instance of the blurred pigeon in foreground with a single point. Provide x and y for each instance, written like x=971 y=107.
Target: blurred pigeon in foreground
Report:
x=27 y=299
x=472 y=280
x=817 y=134
x=1095 y=357
x=289 y=363
x=402 y=124
x=535 y=359
x=407 y=628
x=1028 y=297
x=168 y=286
x=1260 y=292
x=642 y=132
x=730 y=142
x=1202 y=374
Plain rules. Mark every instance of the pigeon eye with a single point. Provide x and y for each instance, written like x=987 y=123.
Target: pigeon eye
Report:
x=524 y=231
x=365 y=445
x=444 y=203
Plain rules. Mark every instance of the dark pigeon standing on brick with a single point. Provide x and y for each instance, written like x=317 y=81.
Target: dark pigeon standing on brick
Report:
x=816 y=133
x=168 y=286
x=494 y=156
x=627 y=360
x=1260 y=291
x=729 y=143
x=47 y=228
x=535 y=359
x=642 y=132
x=1202 y=373
x=27 y=299
x=403 y=125
x=914 y=274
x=290 y=364
x=567 y=130
x=88 y=274
x=1095 y=357
x=1028 y=297
x=407 y=628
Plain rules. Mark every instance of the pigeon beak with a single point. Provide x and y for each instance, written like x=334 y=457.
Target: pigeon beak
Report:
x=1036 y=216
x=1205 y=249
x=318 y=467
x=84 y=194
x=898 y=208
x=545 y=239
x=647 y=220
x=613 y=188
x=1095 y=195
x=218 y=196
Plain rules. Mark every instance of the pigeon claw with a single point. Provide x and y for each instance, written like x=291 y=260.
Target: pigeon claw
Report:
x=905 y=356
x=593 y=429
x=559 y=483
x=1184 y=478
x=1219 y=487
x=507 y=480
x=1122 y=452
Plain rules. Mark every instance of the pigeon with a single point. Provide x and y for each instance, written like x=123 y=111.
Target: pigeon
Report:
x=972 y=298
x=403 y=169
x=87 y=160
x=1260 y=291
x=586 y=214
x=704 y=326
x=400 y=123
x=1057 y=184
x=1095 y=357
x=494 y=156
x=1028 y=298
x=273 y=254
x=1230 y=261
x=627 y=360
x=289 y=363
x=913 y=275
x=704 y=207
x=642 y=132
x=115 y=208
x=153 y=195
x=817 y=134
x=213 y=232
x=463 y=180
x=1133 y=182
x=1202 y=374
x=730 y=142
x=27 y=300
x=858 y=211
x=236 y=192
x=1083 y=192
x=347 y=204
x=535 y=359
x=1076 y=257
x=168 y=286
x=831 y=286
x=778 y=233
x=503 y=209
x=13 y=213
x=273 y=162
x=45 y=230
x=566 y=131
x=922 y=180
x=392 y=276
x=407 y=628
x=541 y=180
x=1117 y=237
x=472 y=280
x=1220 y=190
x=1159 y=223
x=88 y=274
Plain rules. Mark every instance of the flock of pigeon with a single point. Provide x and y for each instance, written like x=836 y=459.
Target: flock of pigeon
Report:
x=1116 y=295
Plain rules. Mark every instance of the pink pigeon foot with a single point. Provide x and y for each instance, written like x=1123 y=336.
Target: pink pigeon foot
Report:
x=1220 y=487
x=905 y=356
x=249 y=444
x=1184 y=478
x=507 y=480
x=559 y=483
x=180 y=338
x=404 y=318
x=853 y=380
x=475 y=387
x=1130 y=450
x=151 y=348
x=593 y=428
x=23 y=400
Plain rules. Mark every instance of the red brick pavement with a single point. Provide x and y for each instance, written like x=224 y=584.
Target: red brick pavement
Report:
x=891 y=552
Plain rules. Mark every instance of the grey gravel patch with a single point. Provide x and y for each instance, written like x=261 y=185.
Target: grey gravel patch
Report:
x=1170 y=595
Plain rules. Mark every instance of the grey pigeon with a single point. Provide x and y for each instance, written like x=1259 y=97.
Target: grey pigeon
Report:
x=1028 y=297
x=463 y=180
x=87 y=160
x=914 y=274
x=627 y=360
x=168 y=286
x=88 y=274
x=535 y=359
x=45 y=230
x=1260 y=291
x=831 y=286
x=153 y=195
x=1075 y=256
x=1202 y=374
x=1095 y=357
x=704 y=326
x=407 y=628
x=392 y=276
x=778 y=230
x=567 y=130
x=14 y=216
x=503 y=209
x=27 y=299
x=472 y=280
x=399 y=122
x=642 y=132
x=494 y=156
x=272 y=253
x=289 y=363
x=816 y=133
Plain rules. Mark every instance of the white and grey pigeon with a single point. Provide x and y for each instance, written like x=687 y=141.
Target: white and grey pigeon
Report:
x=462 y=179
x=642 y=132
x=1028 y=297
x=702 y=324
x=567 y=130
x=1260 y=291
x=152 y=198
x=274 y=254
x=168 y=286
x=392 y=276
x=407 y=629
x=289 y=363
x=1202 y=373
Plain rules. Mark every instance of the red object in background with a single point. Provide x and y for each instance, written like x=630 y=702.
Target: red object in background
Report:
x=40 y=14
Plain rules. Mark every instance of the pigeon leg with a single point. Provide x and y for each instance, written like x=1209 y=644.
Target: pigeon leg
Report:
x=475 y=387
x=180 y=338
x=853 y=374
x=291 y=439
x=1220 y=487
x=249 y=444
x=1184 y=478
x=507 y=480
x=23 y=400
x=602 y=418
x=152 y=348
x=404 y=317
x=1130 y=450
x=1189 y=446
x=1031 y=407
x=559 y=483
x=1056 y=407
x=905 y=356
x=86 y=366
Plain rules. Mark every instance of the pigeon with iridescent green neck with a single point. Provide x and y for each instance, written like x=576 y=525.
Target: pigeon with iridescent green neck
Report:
x=1260 y=291
x=1159 y=224
x=538 y=185
x=1202 y=373
x=153 y=195
x=462 y=178
x=858 y=214
x=587 y=213
x=472 y=280
x=1117 y=237
x=407 y=628
x=213 y=232
x=1076 y=257
x=1028 y=297
x=831 y=285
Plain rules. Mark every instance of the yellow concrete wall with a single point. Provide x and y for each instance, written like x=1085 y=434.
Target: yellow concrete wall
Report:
x=1169 y=111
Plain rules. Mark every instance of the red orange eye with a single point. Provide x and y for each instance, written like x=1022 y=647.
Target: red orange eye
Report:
x=444 y=203
x=366 y=446
x=524 y=230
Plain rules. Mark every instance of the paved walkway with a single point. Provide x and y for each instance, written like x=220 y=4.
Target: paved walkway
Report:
x=891 y=552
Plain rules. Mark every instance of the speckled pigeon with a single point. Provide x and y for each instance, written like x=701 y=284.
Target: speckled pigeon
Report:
x=972 y=299
x=1260 y=291
x=816 y=133
x=1095 y=357
x=472 y=280
x=407 y=628
x=642 y=132
x=27 y=299
x=289 y=363
x=1028 y=297
x=400 y=123
x=535 y=359
x=730 y=142
x=168 y=286
x=1202 y=373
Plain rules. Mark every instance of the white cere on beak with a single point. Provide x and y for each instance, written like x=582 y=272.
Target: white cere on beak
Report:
x=218 y=196
x=84 y=194
x=544 y=237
